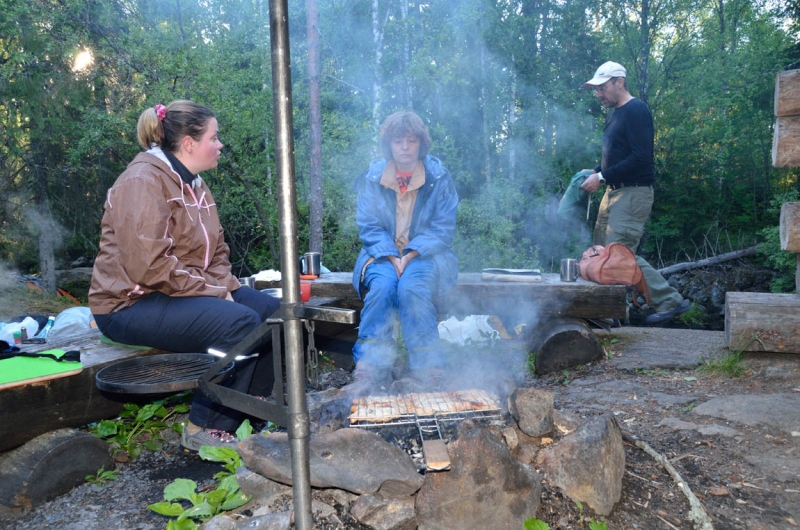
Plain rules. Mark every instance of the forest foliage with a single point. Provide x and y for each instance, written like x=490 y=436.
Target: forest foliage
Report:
x=500 y=83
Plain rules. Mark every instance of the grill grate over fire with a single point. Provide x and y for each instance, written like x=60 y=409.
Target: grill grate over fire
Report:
x=378 y=411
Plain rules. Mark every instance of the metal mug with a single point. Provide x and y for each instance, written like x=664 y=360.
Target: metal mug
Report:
x=249 y=281
x=569 y=270
x=310 y=264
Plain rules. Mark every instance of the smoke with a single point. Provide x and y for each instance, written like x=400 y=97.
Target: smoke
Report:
x=7 y=277
x=42 y=223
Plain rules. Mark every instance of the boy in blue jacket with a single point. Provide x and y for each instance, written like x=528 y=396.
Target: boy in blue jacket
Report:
x=406 y=219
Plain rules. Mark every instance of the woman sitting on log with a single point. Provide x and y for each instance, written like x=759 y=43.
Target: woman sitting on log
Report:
x=163 y=276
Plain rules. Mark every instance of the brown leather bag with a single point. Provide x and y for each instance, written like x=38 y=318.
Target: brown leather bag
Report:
x=613 y=265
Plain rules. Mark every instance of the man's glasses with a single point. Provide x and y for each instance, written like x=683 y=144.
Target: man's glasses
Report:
x=604 y=86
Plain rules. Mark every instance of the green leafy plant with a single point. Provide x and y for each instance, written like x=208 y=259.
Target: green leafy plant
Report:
x=228 y=457
x=688 y=407
x=140 y=427
x=103 y=477
x=769 y=249
x=535 y=524
x=530 y=364
x=244 y=430
x=204 y=505
x=597 y=525
x=270 y=427
x=606 y=343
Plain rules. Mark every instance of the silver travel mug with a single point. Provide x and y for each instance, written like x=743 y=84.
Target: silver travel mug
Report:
x=311 y=264
x=249 y=281
x=569 y=270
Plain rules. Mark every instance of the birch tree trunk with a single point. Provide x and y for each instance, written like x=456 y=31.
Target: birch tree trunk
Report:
x=315 y=128
x=487 y=144
x=378 y=27
x=409 y=88
x=512 y=119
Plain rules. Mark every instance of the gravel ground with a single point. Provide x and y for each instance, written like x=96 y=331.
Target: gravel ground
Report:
x=746 y=481
x=121 y=503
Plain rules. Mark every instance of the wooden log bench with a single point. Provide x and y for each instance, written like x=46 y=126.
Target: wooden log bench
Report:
x=768 y=321
x=550 y=298
x=555 y=312
x=31 y=409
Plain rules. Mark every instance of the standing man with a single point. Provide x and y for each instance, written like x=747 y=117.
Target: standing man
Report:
x=627 y=172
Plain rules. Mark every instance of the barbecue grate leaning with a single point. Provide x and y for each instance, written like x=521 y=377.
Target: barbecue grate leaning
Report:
x=153 y=374
x=383 y=411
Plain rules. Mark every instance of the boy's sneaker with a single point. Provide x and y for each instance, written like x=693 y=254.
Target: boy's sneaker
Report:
x=212 y=437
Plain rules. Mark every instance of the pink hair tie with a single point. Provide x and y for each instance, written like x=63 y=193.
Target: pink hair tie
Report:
x=161 y=111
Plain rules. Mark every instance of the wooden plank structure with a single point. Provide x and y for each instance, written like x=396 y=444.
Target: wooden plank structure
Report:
x=555 y=312
x=765 y=321
x=786 y=139
x=32 y=409
x=550 y=298
x=762 y=322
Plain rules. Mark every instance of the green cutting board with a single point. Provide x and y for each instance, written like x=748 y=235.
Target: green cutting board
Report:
x=23 y=370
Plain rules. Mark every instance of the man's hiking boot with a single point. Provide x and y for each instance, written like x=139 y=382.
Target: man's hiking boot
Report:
x=212 y=437
x=658 y=318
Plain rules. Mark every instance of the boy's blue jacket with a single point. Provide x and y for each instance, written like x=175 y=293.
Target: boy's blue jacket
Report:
x=433 y=223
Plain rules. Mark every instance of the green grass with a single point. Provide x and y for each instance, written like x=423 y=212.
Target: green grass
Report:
x=728 y=365
x=17 y=300
x=694 y=317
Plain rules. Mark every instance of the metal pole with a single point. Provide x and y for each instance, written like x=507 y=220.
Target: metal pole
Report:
x=293 y=335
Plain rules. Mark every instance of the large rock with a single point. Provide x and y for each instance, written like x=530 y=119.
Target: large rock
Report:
x=50 y=465
x=780 y=412
x=588 y=465
x=533 y=410
x=380 y=513
x=350 y=459
x=486 y=487
x=262 y=489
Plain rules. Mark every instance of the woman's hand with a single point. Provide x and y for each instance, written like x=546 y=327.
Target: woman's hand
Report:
x=229 y=297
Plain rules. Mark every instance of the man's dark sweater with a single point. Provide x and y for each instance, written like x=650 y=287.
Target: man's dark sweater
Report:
x=628 y=145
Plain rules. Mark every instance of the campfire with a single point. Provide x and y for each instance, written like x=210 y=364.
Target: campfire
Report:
x=425 y=411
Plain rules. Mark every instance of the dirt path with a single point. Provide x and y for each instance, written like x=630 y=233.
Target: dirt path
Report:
x=735 y=441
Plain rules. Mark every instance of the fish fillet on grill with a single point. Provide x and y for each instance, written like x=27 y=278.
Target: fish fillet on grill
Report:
x=381 y=409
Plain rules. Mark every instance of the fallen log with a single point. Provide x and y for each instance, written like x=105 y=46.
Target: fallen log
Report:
x=563 y=343
x=762 y=322
x=714 y=260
